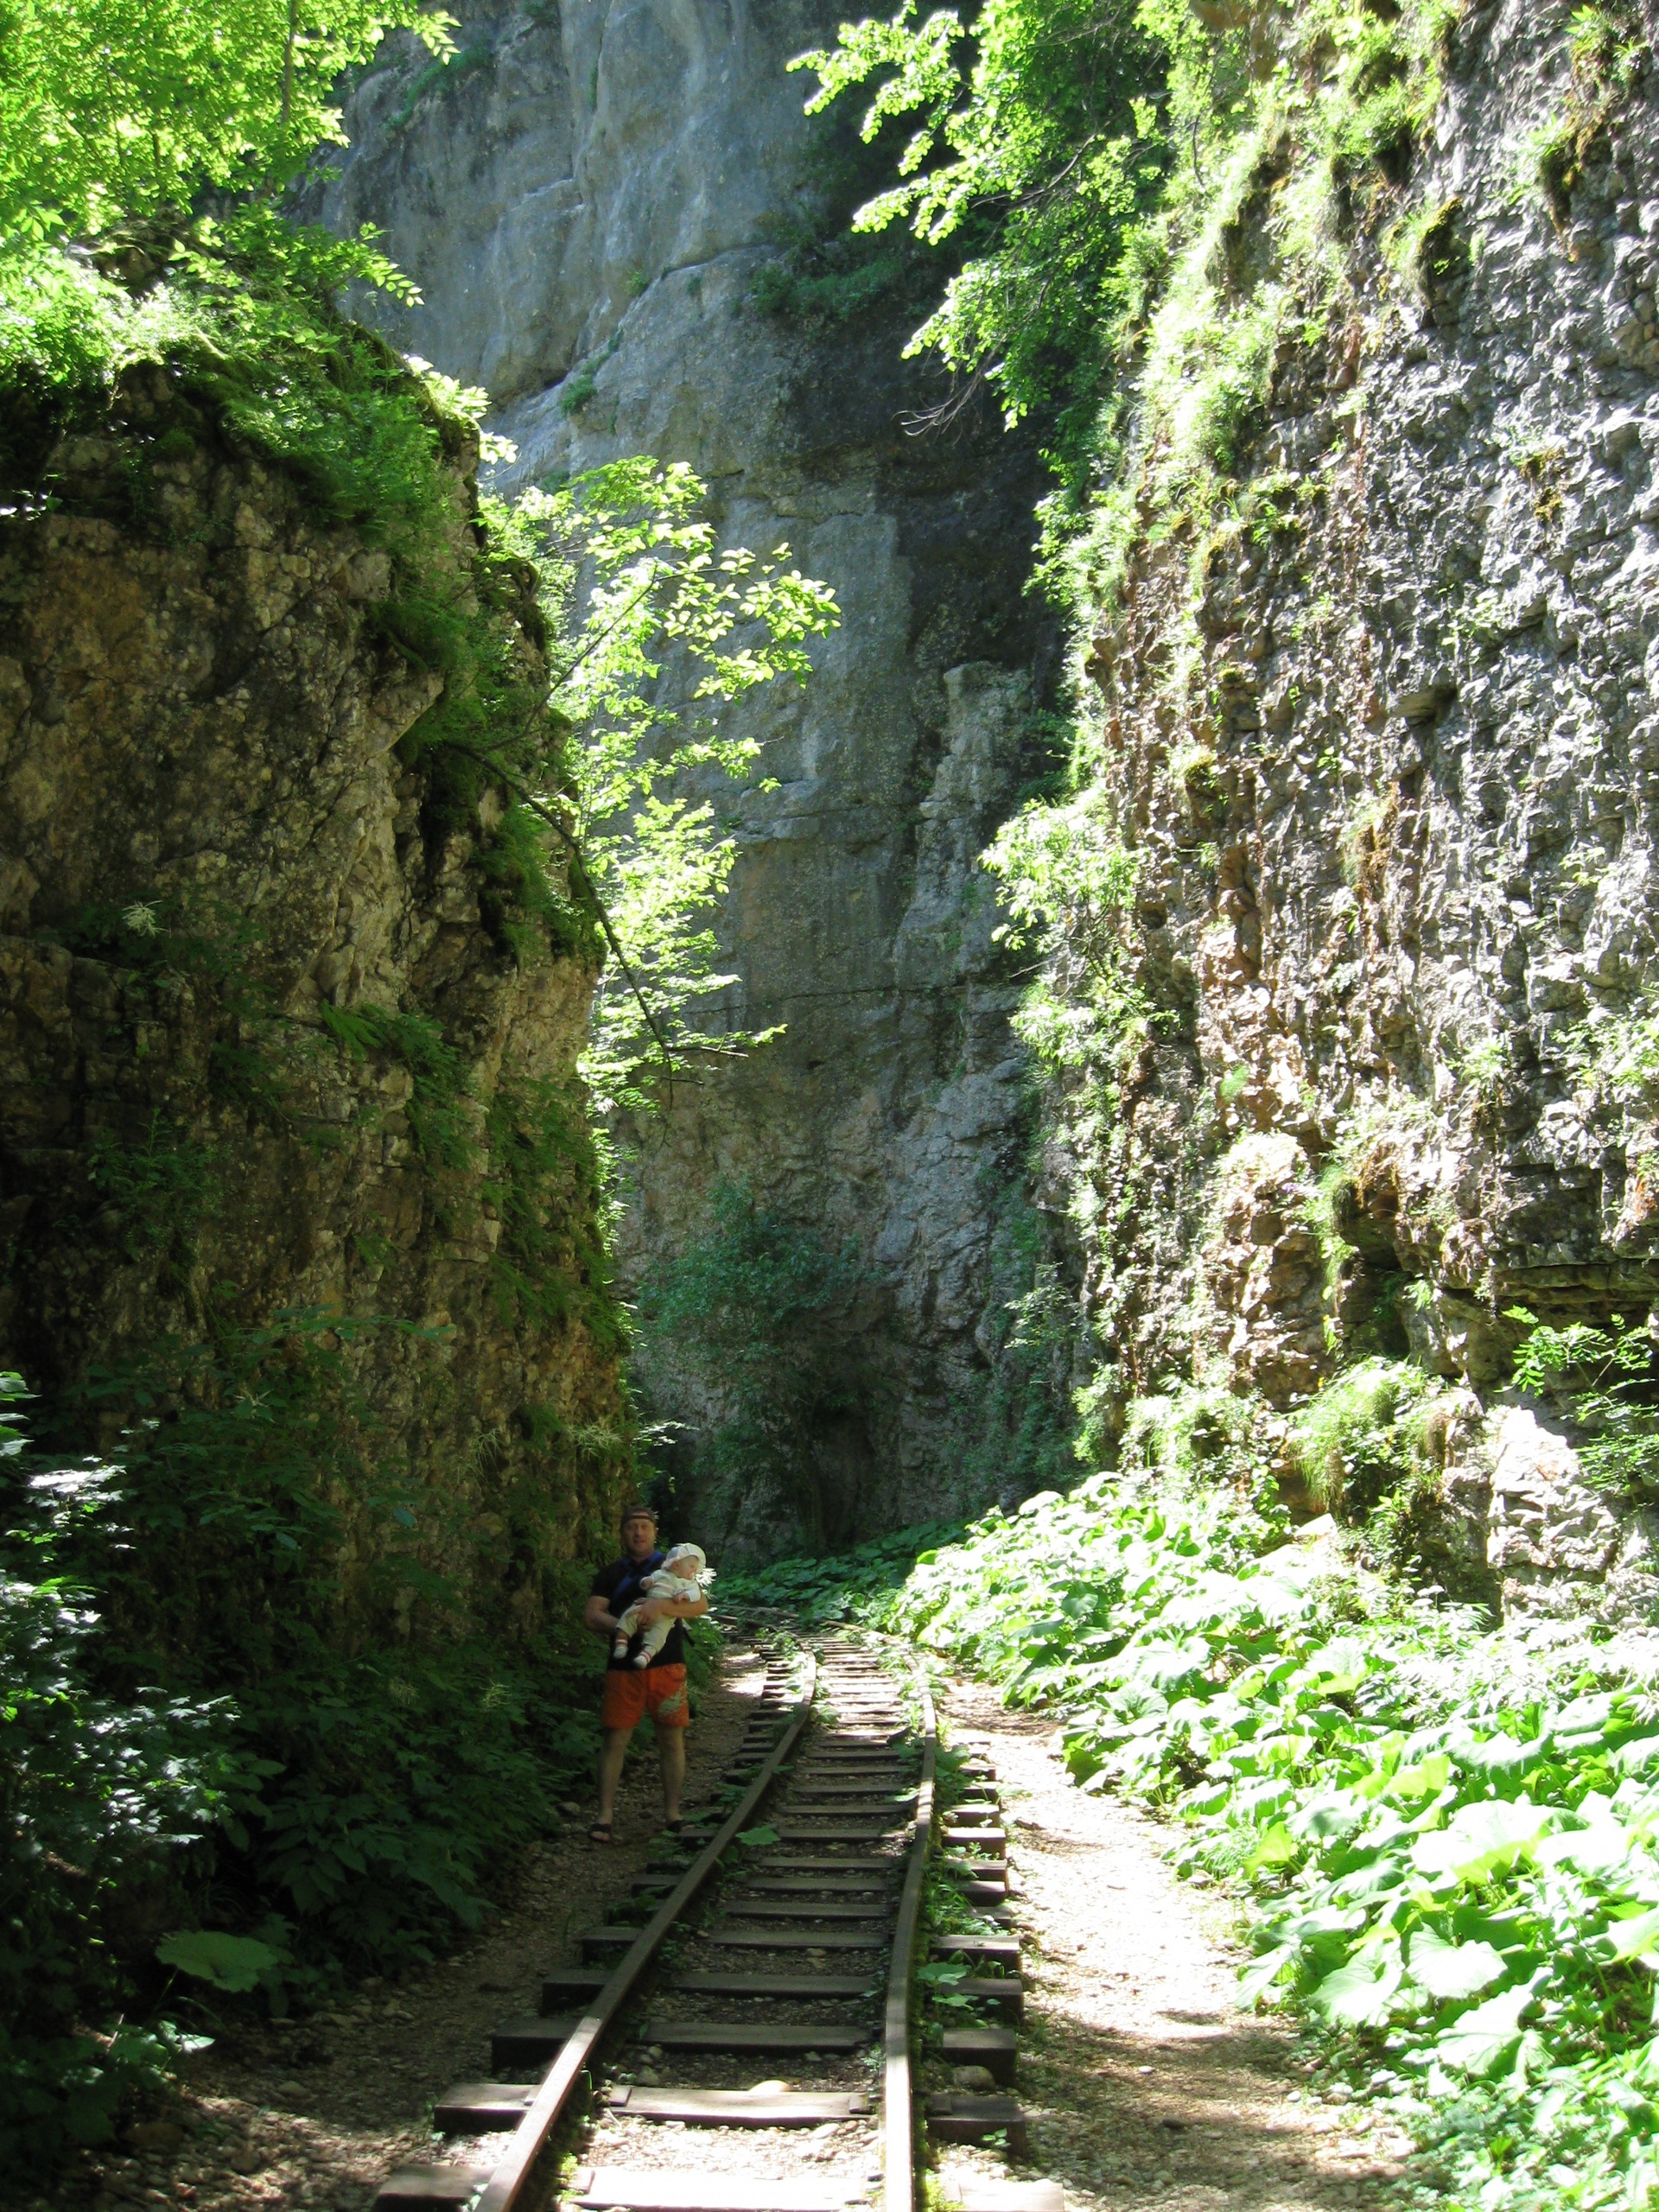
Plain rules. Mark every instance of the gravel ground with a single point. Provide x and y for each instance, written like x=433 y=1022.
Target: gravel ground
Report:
x=317 y=2114
x=1142 y=2077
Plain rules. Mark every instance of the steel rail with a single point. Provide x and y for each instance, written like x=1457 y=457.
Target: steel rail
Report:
x=505 y=2188
x=898 y=2104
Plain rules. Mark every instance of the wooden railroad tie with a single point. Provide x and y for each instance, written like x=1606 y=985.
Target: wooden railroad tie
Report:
x=739 y=2107
x=755 y=2035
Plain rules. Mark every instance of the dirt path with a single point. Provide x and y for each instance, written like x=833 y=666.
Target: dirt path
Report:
x=316 y=2114
x=1142 y=2077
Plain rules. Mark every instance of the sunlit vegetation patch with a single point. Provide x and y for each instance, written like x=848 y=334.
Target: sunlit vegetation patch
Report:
x=1443 y=1832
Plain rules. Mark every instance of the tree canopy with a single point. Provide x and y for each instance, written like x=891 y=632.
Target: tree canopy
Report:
x=119 y=108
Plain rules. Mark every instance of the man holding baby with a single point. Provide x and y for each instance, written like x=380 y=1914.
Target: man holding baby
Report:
x=641 y=1678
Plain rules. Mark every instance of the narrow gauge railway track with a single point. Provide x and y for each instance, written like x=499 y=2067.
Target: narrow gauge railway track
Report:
x=804 y=1969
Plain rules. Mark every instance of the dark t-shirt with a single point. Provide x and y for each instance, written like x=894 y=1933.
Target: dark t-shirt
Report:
x=619 y=1585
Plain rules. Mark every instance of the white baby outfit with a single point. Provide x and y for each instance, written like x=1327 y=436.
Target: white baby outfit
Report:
x=661 y=1582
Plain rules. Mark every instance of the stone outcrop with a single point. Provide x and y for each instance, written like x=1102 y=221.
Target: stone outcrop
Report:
x=267 y=1045
x=588 y=204
x=1396 y=832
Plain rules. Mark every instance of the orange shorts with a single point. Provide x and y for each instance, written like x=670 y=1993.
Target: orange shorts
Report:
x=631 y=1692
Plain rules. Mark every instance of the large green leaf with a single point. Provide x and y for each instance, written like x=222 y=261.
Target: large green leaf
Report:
x=1277 y=1848
x=1478 y=2041
x=1635 y=1938
x=1500 y=1755
x=1358 y=1995
x=232 y=1962
x=1423 y=1778
x=1452 y=1970
x=1256 y=1979
x=1601 y=1847
x=1481 y=1840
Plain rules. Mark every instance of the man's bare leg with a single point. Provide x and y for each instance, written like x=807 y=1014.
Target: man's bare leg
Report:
x=613 y=1749
x=670 y=1750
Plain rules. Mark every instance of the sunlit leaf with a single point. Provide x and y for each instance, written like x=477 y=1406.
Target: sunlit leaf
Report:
x=1452 y=1970
x=1277 y=1849
x=1481 y=1838
x=1359 y=1995
x=1478 y=2040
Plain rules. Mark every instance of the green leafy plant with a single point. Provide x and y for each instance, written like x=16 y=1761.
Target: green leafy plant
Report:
x=330 y=1807
x=650 y=858
x=113 y=109
x=744 y=1304
x=1444 y=1834
x=160 y=1186
x=441 y=1081
x=1604 y=47
x=100 y=1785
x=1361 y=1434
x=1605 y=1380
x=1039 y=140
x=817 y=1590
x=236 y=1963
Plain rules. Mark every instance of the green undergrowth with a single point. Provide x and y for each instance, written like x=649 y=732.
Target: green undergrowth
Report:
x=856 y=1586
x=1443 y=1832
x=823 y=273
x=749 y=1303
x=218 y=1716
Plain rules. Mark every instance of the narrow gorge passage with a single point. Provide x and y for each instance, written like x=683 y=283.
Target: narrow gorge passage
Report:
x=887 y=797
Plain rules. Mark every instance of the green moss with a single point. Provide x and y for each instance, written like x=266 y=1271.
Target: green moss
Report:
x=576 y=390
x=162 y=1185
x=825 y=274
x=541 y=1184
x=1605 y=46
x=443 y=75
x=438 y=1117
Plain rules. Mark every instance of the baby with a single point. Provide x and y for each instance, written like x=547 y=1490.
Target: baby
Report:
x=682 y=1574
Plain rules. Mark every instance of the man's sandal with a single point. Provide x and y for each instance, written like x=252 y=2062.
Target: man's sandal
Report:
x=600 y=1832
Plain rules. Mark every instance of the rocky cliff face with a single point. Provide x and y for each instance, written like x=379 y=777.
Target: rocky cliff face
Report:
x=588 y=198
x=268 y=1045
x=1382 y=744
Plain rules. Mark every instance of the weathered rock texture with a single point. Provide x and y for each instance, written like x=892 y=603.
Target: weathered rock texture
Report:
x=215 y=863
x=586 y=206
x=1396 y=910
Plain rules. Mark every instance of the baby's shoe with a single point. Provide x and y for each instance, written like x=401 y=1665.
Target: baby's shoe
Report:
x=642 y=1659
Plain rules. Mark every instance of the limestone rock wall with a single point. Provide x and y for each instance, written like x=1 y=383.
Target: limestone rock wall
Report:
x=235 y=930
x=1396 y=826
x=586 y=206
